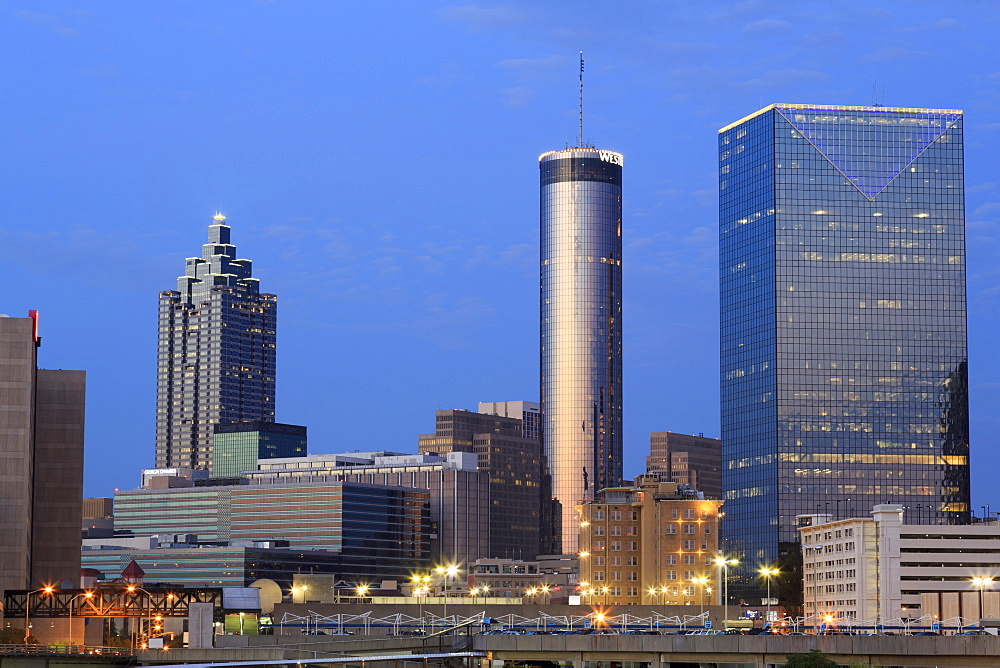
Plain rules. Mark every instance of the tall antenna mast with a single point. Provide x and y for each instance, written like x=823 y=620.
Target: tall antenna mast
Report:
x=581 y=100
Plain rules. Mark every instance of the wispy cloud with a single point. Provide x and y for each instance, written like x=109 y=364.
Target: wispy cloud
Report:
x=44 y=20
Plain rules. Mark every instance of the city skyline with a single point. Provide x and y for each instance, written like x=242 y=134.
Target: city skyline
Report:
x=380 y=292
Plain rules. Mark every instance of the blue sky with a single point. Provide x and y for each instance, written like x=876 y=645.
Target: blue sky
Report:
x=377 y=161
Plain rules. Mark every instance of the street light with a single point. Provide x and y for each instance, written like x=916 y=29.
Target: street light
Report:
x=87 y=595
x=768 y=573
x=702 y=580
x=724 y=563
x=361 y=590
x=149 y=612
x=981 y=584
x=447 y=572
x=27 y=607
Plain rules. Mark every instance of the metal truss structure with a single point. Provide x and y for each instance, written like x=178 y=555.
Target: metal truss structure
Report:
x=108 y=602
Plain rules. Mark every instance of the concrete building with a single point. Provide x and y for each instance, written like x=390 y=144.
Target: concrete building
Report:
x=517 y=481
x=865 y=569
x=844 y=360
x=654 y=543
x=529 y=412
x=237 y=447
x=581 y=327
x=216 y=356
x=458 y=491
x=687 y=460
x=41 y=459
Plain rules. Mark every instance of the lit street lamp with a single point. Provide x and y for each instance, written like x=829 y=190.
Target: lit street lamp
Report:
x=981 y=584
x=27 y=607
x=447 y=572
x=768 y=573
x=724 y=564
x=702 y=580
x=88 y=595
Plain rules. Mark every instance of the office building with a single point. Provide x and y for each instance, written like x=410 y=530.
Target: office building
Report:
x=865 y=569
x=237 y=446
x=376 y=521
x=529 y=412
x=458 y=491
x=241 y=565
x=216 y=360
x=687 y=460
x=515 y=467
x=41 y=459
x=844 y=361
x=581 y=327
x=652 y=544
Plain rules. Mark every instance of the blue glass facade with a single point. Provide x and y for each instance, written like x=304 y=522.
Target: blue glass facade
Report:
x=844 y=357
x=581 y=331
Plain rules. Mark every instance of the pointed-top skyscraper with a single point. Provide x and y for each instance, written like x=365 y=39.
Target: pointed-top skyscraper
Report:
x=844 y=356
x=581 y=328
x=216 y=358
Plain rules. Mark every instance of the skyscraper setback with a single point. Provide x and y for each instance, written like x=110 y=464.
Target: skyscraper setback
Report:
x=844 y=357
x=216 y=361
x=581 y=333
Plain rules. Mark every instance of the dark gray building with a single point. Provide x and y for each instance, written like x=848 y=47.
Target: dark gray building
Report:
x=41 y=463
x=844 y=358
x=216 y=358
x=237 y=446
x=687 y=460
x=517 y=480
x=581 y=327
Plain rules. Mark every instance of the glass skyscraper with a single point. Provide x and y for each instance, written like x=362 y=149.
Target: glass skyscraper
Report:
x=844 y=358
x=216 y=357
x=581 y=331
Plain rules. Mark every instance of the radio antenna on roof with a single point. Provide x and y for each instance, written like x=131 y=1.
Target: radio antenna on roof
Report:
x=581 y=100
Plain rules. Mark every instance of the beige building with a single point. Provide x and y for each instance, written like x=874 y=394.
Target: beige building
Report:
x=880 y=568
x=649 y=544
x=41 y=460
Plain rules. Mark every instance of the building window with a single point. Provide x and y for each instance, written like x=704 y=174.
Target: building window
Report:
x=689 y=513
x=631 y=546
x=689 y=545
x=616 y=516
x=670 y=529
x=670 y=575
x=689 y=528
x=598 y=515
x=598 y=530
x=631 y=576
x=598 y=561
x=616 y=546
x=631 y=530
x=598 y=576
x=616 y=531
x=632 y=561
x=633 y=591
x=616 y=576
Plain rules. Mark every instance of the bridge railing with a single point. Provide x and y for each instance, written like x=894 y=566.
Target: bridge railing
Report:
x=65 y=650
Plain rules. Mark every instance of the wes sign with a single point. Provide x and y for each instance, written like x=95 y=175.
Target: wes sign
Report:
x=612 y=157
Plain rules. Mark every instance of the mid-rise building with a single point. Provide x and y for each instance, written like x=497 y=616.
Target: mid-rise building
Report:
x=844 y=356
x=515 y=466
x=687 y=460
x=458 y=491
x=237 y=446
x=651 y=544
x=529 y=412
x=216 y=356
x=41 y=460
x=377 y=521
x=868 y=569
x=581 y=328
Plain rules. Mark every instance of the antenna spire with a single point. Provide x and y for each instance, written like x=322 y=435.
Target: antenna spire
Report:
x=581 y=100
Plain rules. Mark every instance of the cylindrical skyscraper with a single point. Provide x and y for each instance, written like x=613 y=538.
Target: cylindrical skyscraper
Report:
x=581 y=332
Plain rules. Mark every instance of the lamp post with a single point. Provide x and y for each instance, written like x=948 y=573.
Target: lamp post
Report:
x=702 y=580
x=149 y=613
x=981 y=584
x=88 y=595
x=724 y=563
x=768 y=573
x=27 y=607
x=447 y=572
x=421 y=591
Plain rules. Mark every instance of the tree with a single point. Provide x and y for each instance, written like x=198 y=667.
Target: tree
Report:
x=14 y=636
x=814 y=659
